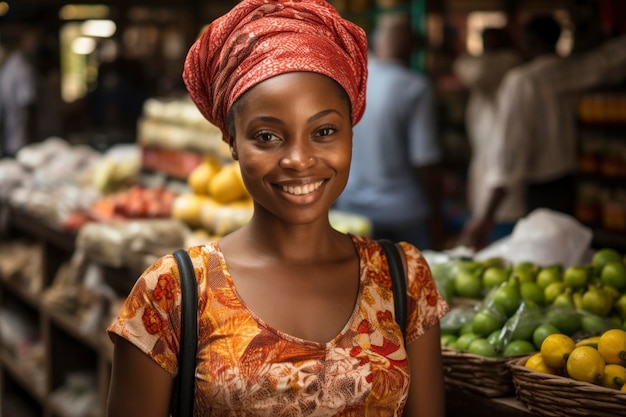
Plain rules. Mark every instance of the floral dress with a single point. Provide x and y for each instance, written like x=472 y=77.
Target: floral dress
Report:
x=247 y=368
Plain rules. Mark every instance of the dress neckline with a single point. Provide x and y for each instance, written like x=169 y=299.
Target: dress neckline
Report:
x=286 y=336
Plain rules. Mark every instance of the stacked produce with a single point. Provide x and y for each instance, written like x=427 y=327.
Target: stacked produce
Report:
x=599 y=360
x=218 y=201
x=517 y=306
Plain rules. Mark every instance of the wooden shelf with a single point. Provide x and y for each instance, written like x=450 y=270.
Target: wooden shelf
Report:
x=28 y=382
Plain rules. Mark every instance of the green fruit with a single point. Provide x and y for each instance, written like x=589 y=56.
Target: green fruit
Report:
x=530 y=291
x=576 y=276
x=508 y=296
x=553 y=290
x=494 y=276
x=548 y=275
x=567 y=319
x=620 y=306
x=466 y=328
x=542 y=331
x=482 y=347
x=526 y=271
x=468 y=284
x=464 y=341
x=594 y=324
x=614 y=275
x=565 y=299
x=604 y=256
x=519 y=347
x=447 y=339
x=596 y=301
x=485 y=323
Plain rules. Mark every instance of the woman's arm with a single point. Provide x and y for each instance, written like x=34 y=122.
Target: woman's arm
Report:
x=139 y=386
x=426 y=392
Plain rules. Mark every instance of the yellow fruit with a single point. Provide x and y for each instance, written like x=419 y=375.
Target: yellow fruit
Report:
x=614 y=376
x=226 y=185
x=589 y=341
x=586 y=364
x=199 y=179
x=189 y=207
x=556 y=349
x=612 y=346
x=536 y=363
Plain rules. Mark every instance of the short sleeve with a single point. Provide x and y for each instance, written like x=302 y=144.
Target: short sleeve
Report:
x=150 y=316
x=425 y=305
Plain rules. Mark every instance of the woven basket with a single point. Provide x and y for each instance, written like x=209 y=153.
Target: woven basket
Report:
x=489 y=377
x=554 y=395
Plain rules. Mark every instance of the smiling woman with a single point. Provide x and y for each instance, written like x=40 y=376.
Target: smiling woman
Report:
x=295 y=317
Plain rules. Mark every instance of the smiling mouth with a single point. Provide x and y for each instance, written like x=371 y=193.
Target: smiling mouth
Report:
x=302 y=189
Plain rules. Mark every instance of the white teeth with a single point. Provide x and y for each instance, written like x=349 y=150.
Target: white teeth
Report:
x=301 y=189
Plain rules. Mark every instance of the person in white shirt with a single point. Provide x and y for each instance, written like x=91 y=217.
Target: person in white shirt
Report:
x=482 y=75
x=534 y=137
x=28 y=112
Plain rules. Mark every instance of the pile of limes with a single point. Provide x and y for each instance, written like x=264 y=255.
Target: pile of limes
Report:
x=599 y=360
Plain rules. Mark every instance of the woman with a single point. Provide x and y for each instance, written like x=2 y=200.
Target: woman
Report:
x=295 y=318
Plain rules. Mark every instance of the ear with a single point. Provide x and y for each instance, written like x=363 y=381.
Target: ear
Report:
x=233 y=150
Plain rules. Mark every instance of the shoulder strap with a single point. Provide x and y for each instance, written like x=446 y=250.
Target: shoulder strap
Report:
x=188 y=334
x=398 y=280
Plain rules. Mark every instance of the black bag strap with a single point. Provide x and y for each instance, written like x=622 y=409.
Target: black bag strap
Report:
x=398 y=280
x=188 y=335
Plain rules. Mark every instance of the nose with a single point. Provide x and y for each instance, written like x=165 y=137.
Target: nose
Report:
x=298 y=156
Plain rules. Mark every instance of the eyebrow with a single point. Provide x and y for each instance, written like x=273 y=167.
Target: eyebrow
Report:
x=311 y=119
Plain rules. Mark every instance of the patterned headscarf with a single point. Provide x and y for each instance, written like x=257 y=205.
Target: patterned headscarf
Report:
x=259 y=39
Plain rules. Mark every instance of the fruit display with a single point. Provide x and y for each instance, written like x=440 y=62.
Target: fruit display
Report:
x=517 y=306
x=599 y=360
x=218 y=201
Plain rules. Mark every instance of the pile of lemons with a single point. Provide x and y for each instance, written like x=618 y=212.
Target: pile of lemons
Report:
x=599 y=360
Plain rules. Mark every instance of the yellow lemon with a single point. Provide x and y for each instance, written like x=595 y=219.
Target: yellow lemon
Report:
x=200 y=177
x=612 y=346
x=555 y=350
x=536 y=363
x=614 y=376
x=586 y=364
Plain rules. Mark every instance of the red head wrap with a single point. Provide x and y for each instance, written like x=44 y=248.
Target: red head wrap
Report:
x=259 y=39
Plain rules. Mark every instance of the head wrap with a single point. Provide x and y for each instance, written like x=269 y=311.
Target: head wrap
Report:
x=259 y=39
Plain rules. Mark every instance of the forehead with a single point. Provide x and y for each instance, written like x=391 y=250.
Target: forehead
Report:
x=293 y=84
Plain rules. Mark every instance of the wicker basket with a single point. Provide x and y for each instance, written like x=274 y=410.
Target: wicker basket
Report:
x=554 y=395
x=489 y=377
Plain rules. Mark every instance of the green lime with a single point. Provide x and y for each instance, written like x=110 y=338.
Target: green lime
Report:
x=485 y=323
x=531 y=291
x=464 y=340
x=519 y=347
x=494 y=276
x=549 y=274
x=542 y=331
x=576 y=276
x=567 y=319
x=482 y=347
x=466 y=328
x=603 y=256
x=553 y=290
x=468 y=284
x=614 y=275
x=447 y=339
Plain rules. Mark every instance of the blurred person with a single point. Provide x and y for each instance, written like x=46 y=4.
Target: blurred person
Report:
x=295 y=318
x=482 y=75
x=28 y=111
x=535 y=137
x=394 y=179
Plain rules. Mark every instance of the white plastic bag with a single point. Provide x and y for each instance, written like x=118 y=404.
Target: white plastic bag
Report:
x=545 y=237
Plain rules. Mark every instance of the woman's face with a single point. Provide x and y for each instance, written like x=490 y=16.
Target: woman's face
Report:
x=293 y=139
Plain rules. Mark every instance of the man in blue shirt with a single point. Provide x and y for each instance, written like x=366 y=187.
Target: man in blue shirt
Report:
x=394 y=180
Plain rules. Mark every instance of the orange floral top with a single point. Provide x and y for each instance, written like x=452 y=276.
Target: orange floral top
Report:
x=247 y=368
